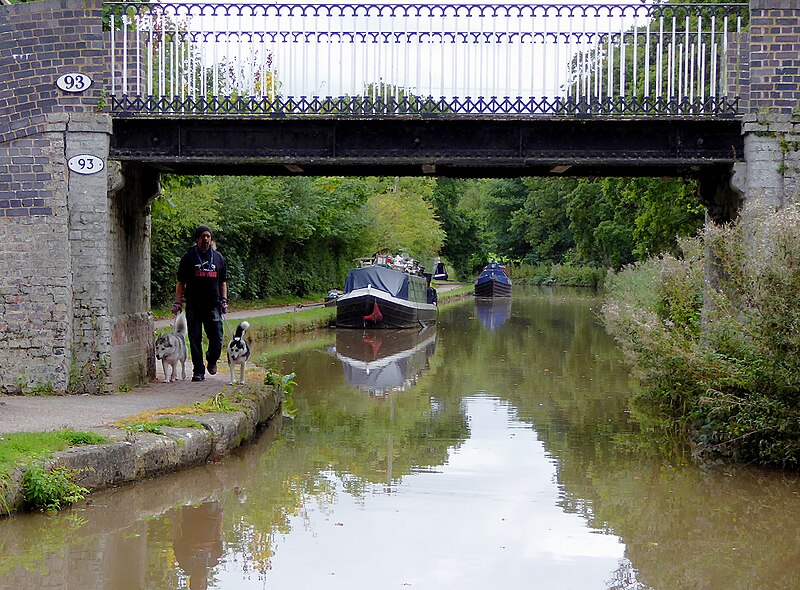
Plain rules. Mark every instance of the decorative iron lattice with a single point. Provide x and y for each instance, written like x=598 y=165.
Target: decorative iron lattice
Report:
x=365 y=106
x=195 y=59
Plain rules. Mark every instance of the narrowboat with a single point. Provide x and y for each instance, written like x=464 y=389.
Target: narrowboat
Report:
x=387 y=292
x=440 y=272
x=493 y=281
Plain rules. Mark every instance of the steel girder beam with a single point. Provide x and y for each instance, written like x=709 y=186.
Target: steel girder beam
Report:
x=430 y=146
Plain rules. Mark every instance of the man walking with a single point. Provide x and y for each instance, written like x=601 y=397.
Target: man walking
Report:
x=202 y=282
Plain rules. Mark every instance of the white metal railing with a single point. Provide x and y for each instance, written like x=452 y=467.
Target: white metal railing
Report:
x=514 y=58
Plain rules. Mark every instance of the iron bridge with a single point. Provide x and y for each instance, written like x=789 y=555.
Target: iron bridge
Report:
x=465 y=90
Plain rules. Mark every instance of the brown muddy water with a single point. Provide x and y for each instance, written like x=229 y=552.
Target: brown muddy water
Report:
x=493 y=451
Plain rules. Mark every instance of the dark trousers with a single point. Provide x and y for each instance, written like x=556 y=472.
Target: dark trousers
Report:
x=211 y=322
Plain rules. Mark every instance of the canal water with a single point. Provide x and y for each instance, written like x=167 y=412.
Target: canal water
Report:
x=495 y=450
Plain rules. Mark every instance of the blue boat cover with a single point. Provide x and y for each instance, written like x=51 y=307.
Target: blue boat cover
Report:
x=391 y=281
x=493 y=271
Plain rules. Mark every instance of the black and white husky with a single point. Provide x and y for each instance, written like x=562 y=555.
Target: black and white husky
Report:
x=171 y=350
x=238 y=353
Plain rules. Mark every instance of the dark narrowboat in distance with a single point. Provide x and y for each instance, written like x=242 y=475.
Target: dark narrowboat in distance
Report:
x=440 y=272
x=493 y=281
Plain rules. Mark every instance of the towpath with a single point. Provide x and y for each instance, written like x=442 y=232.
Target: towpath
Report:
x=84 y=412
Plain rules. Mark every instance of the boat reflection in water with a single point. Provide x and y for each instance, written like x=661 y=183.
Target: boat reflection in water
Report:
x=493 y=312
x=382 y=361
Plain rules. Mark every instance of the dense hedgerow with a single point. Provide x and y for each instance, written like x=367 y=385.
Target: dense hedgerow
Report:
x=719 y=360
x=558 y=274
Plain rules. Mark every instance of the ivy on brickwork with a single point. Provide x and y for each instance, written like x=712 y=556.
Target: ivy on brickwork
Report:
x=89 y=376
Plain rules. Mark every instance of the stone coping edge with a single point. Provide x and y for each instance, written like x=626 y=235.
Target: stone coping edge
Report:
x=130 y=457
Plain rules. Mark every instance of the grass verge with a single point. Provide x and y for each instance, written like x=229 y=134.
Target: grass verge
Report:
x=43 y=489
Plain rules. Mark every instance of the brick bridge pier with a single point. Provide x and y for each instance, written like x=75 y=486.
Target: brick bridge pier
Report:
x=75 y=247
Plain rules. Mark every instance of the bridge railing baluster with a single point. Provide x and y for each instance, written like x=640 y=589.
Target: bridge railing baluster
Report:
x=198 y=58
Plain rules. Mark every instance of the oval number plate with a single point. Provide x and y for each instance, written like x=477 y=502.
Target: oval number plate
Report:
x=74 y=82
x=85 y=164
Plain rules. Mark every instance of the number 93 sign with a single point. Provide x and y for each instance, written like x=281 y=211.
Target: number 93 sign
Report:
x=74 y=82
x=85 y=164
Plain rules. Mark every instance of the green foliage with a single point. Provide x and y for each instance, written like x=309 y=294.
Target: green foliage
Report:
x=295 y=236
x=603 y=223
x=463 y=245
x=76 y=438
x=602 y=219
x=26 y=387
x=285 y=384
x=543 y=220
x=90 y=376
x=559 y=274
x=157 y=425
x=52 y=489
x=401 y=218
x=501 y=200
x=720 y=362
x=280 y=236
x=43 y=489
x=18 y=447
x=218 y=403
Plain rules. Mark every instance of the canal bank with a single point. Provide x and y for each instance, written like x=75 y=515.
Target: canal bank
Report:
x=131 y=455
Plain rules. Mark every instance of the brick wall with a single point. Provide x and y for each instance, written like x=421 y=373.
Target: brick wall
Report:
x=132 y=344
x=774 y=56
x=739 y=69
x=39 y=41
x=65 y=304
x=770 y=177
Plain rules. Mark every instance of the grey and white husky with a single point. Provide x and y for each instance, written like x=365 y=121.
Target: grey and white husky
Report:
x=238 y=353
x=171 y=350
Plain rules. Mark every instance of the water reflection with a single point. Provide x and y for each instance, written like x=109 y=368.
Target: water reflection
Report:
x=382 y=361
x=502 y=466
x=152 y=535
x=197 y=541
x=493 y=312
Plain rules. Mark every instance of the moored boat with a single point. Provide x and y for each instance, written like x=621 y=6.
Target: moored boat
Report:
x=386 y=293
x=440 y=272
x=493 y=281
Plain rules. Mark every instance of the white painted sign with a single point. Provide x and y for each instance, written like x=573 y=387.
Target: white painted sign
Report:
x=74 y=82
x=86 y=164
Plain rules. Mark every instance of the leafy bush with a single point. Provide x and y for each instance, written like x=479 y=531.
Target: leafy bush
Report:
x=50 y=490
x=719 y=359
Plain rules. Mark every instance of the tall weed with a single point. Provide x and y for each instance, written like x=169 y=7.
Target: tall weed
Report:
x=719 y=359
x=52 y=489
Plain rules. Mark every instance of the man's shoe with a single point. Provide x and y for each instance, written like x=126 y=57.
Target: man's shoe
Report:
x=198 y=377
x=212 y=368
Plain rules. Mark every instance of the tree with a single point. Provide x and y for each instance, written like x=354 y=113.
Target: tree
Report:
x=502 y=198
x=401 y=219
x=543 y=220
x=184 y=203
x=463 y=244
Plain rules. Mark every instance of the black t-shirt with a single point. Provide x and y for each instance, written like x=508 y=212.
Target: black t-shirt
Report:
x=201 y=274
